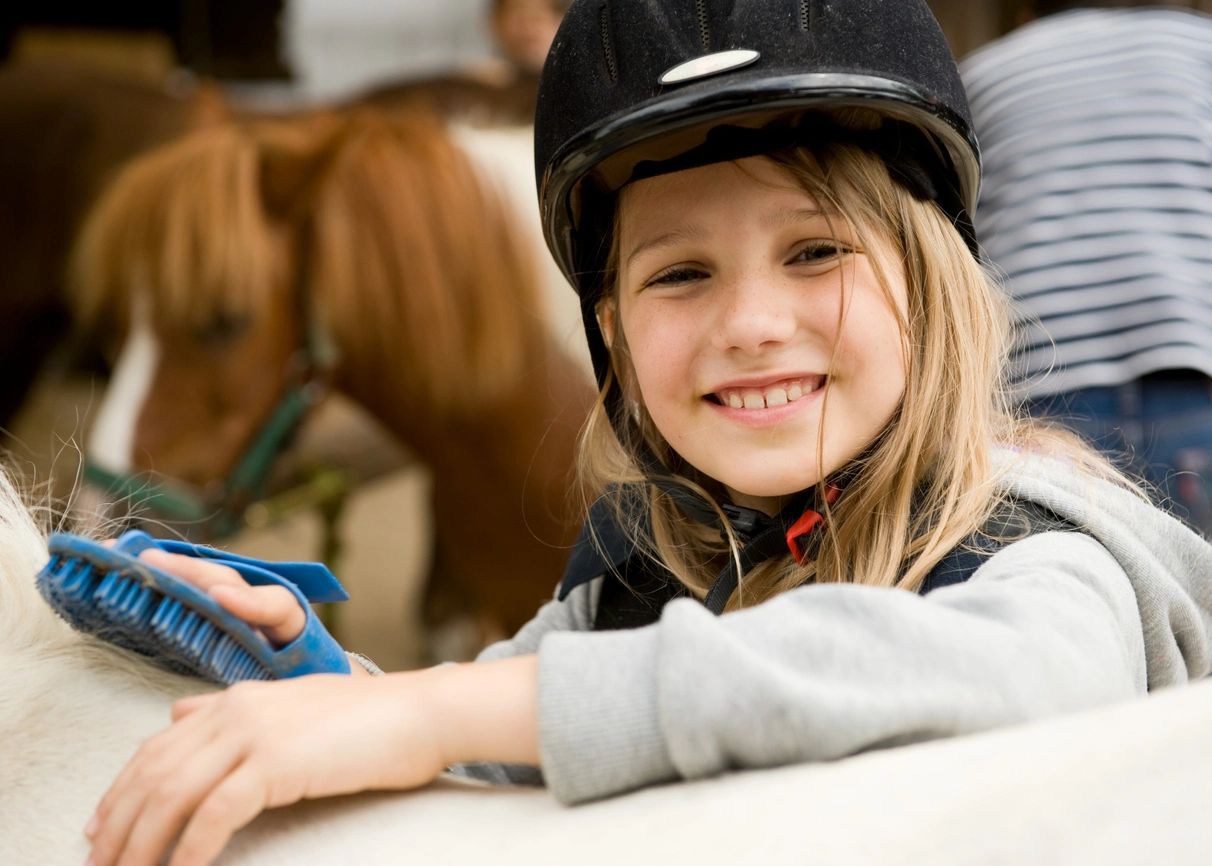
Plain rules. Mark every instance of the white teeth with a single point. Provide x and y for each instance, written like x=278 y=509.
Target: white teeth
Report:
x=776 y=395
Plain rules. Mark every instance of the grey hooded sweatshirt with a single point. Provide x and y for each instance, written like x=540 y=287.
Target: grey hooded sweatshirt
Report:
x=1058 y=621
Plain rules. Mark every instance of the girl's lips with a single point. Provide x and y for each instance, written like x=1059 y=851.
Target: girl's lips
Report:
x=770 y=406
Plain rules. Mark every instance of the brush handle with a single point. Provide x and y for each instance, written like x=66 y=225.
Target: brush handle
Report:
x=314 y=650
x=312 y=579
x=307 y=581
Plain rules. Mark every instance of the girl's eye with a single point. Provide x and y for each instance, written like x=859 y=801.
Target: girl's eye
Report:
x=676 y=276
x=820 y=252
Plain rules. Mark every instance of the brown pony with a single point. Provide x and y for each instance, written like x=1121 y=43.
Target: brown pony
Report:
x=66 y=130
x=372 y=246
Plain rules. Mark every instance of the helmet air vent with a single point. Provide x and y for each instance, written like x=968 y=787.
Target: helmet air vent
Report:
x=704 y=24
x=612 y=66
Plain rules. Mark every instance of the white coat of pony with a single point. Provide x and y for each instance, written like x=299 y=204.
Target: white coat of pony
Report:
x=1121 y=785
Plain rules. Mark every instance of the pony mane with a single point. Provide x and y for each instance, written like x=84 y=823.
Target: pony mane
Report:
x=405 y=252
x=184 y=226
x=25 y=619
x=419 y=260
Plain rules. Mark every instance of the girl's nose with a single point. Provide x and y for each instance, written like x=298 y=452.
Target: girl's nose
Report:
x=755 y=316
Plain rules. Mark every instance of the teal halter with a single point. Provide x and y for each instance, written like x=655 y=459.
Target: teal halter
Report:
x=223 y=514
x=244 y=485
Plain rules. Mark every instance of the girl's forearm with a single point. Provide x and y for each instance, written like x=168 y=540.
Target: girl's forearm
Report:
x=487 y=711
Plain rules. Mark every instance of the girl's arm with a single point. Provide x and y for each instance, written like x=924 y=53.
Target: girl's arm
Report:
x=231 y=754
x=1049 y=624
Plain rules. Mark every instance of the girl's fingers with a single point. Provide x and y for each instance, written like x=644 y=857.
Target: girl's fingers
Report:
x=273 y=609
x=169 y=805
x=234 y=802
x=202 y=573
x=185 y=706
x=108 y=813
x=154 y=762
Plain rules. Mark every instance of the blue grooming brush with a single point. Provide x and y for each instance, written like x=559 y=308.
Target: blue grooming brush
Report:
x=110 y=593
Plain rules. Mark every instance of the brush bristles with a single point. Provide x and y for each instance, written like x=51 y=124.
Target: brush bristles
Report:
x=123 y=610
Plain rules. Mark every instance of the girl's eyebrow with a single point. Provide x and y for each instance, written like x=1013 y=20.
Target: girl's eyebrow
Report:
x=777 y=219
x=784 y=217
x=666 y=239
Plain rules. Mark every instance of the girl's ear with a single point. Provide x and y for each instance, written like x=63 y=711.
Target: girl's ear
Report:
x=606 y=316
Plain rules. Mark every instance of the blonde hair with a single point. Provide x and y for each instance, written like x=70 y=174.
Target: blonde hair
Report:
x=927 y=482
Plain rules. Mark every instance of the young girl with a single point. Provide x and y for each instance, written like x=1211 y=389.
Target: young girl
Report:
x=822 y=533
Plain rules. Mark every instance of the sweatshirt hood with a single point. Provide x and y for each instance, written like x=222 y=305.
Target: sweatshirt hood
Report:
x=1168 y=564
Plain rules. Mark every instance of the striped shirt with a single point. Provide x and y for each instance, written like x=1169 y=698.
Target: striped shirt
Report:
x=1096 y=131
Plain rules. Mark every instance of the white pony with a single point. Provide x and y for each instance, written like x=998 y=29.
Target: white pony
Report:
x=1121 y=785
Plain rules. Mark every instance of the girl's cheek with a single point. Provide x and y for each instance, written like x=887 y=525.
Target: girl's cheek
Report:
x=665 y=368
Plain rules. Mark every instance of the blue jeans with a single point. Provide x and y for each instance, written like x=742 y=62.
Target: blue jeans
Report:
x=1159 y=427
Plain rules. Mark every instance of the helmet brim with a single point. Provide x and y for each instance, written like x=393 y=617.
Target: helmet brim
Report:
x=677 y=121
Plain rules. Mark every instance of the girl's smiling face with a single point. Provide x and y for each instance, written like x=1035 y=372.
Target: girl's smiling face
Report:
x=745 y=309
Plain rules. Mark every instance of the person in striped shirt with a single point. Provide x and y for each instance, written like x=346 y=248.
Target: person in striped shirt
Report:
x=1096 y=130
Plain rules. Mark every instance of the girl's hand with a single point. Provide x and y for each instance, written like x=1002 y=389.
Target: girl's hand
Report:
x=232 y=754
x=272 y=609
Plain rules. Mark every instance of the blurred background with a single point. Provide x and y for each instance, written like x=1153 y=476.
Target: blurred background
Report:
x=312 y=49
x=347 y=483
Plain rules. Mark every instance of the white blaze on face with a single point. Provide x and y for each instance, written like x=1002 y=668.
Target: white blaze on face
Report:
x=111 y=443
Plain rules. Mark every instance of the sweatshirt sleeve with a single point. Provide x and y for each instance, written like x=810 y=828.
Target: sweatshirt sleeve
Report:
x=1048 y=624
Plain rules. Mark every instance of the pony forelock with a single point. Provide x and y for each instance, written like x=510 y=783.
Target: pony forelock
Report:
x=389 y=231
x=184 y=225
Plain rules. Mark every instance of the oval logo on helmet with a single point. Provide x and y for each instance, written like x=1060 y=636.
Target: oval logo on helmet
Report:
x=708 y=64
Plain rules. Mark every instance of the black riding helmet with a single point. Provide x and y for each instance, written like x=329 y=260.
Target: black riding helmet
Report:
x=636 y=88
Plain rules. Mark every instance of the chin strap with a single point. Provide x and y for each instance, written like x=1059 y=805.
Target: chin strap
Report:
x=605 y=546
x=793 y=530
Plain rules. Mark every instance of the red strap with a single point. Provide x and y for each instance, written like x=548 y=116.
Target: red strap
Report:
x=807 y=524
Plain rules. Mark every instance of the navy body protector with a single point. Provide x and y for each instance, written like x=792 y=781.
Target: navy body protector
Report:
x=635 y=590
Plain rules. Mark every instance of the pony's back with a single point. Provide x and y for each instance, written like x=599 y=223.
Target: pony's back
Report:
x=71 y=708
